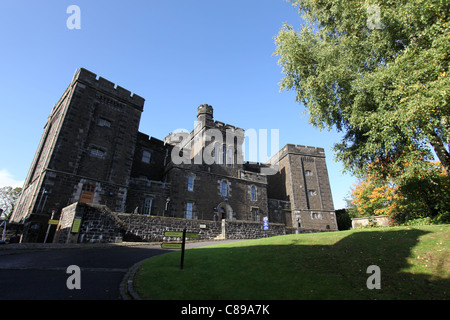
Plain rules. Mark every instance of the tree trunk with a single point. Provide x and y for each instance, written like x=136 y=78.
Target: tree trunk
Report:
x=441 y=151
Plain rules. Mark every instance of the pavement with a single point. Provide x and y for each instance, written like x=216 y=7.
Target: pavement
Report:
x=18 y=258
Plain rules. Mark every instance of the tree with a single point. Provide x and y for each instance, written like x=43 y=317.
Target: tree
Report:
x=8 y=197
x=378 y=73
x=419 y=192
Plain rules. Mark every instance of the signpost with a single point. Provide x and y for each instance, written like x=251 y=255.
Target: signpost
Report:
x=177 y=245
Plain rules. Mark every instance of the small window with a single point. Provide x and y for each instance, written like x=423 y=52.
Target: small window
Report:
x=190 y=186
x=253 y=193
x=308 y=173
x=316 y=216
x=146 y=156
x=224 y=188
x=255 y=214
x=87 y=193
x=189 y=210
x=312 y=192
x=104 y=123
x=98 y=153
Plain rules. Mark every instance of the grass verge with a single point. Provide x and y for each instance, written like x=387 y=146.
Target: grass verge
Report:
x=414 y=264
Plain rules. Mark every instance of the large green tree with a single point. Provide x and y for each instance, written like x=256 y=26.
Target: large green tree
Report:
x=376 y=71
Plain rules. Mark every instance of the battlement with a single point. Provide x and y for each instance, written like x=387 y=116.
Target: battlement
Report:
x=99 y=83
x=297 y=149
x=222 y=125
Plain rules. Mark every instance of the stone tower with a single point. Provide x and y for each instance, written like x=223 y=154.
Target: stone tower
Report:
x=302 y=179
x=85 y=153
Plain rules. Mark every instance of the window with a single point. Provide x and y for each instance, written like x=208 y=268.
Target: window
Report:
x=87 y=193
x=189 y=210
x=255 y=214
x=146 y=155
x=312 y=192
x=147 y=208
x=98 y=153
x=316 y=216
x=308 y=173
x=253 y=193
x=224 y=188
x=224 y=153
x=104 y=123
x=230 y=157
x=216 y=154
x=190 y=186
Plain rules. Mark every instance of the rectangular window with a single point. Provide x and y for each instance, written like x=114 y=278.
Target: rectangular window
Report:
x=147 y=209
x=255 y=214
x=224 y=188
x=87 y=193
x=230 y=157
x=189 y=210
x=224 y=154
x=98 y=153
x=146 y=155
x=190 y=183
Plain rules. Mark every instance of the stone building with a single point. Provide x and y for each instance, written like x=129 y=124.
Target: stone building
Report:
x=92 y=152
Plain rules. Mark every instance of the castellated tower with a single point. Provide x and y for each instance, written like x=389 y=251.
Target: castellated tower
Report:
x=85 y=153
x=302 y=179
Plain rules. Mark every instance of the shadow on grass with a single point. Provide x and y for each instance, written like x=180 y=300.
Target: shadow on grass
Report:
x=292 y=268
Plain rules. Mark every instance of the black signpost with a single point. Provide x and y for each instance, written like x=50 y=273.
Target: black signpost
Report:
x=177 y=245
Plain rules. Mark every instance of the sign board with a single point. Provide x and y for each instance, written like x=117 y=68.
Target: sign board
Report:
x=266 y=223
x=76 y=225
x=53 y=221
x=168 y=245
x=180 y=234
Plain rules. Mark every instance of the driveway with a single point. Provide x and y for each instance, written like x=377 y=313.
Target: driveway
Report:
x=39 y=272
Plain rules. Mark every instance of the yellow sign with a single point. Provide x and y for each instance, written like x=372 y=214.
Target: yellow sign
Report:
x=168 y=245
x=180 y=234
x=53 y=221
x=76 y=225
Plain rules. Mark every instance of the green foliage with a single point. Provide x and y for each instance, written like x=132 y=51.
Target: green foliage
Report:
x=378 y=72
x=8 y=197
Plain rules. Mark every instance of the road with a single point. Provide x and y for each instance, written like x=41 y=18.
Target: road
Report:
x=41 y=273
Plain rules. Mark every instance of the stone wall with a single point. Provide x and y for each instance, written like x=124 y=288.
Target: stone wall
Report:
x=367 y=221
x=99 y=224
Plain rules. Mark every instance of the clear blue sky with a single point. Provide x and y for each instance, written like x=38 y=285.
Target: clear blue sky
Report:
x=176 y=54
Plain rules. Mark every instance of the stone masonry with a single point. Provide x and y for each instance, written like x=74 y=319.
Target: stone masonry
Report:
x=92 y=152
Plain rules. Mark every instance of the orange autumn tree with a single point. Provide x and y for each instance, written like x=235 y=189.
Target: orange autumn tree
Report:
x=420 y=192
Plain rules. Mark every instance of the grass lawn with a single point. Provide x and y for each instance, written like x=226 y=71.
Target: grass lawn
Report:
x=414 y=264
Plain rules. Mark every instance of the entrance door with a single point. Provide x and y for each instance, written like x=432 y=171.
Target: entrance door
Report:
x=87 y=193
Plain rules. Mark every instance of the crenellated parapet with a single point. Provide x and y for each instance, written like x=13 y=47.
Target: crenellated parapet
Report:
x=87 y=77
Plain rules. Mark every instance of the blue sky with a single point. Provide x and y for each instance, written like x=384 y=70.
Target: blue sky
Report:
x=176 y=54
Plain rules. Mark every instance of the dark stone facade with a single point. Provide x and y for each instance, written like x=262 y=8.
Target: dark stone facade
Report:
x=91 y=151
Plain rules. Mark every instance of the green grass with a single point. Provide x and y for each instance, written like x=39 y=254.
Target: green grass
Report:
x=414 y=264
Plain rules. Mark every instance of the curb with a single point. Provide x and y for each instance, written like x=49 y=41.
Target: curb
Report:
x=127 y=284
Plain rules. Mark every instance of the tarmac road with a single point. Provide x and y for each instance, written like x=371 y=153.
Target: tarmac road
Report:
x=40 y=273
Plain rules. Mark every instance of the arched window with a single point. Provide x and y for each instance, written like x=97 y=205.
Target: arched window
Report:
x=253 y=193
